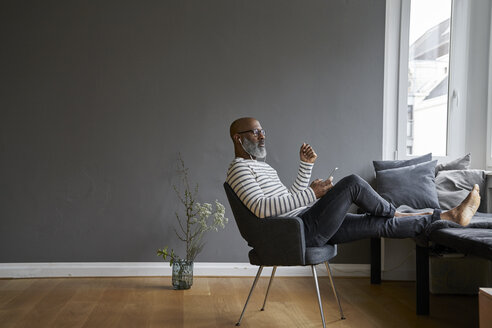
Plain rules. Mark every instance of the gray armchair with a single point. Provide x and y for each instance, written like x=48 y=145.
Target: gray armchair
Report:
x=279 y=242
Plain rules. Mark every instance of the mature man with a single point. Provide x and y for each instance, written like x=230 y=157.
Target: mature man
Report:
x=258 y=186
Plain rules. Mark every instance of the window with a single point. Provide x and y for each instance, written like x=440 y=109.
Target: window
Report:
x=427 y=86
x=429 y=41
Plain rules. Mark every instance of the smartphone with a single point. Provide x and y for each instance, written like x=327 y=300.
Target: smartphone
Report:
x=332 y=172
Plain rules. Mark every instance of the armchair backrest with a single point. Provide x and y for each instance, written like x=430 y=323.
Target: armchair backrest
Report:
x=276 y=240
x=247 y=222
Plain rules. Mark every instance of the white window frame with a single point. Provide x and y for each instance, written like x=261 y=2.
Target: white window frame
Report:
x=489 y=107
x=396 y=75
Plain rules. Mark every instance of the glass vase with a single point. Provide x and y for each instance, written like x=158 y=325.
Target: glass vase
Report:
x=182 y=274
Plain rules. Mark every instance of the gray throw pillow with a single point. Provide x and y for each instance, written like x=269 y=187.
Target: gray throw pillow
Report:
x=454 y=185
x=409 y=185
x=462 y=163
x=384 y=165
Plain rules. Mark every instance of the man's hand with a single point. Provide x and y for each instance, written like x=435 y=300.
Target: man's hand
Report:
x=307 y=153
x=321 y=187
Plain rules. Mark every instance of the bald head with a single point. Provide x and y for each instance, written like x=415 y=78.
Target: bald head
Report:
x=242 y=124
x=248 y=138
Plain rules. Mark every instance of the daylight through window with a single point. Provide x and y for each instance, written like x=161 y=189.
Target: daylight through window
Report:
x=428 y=72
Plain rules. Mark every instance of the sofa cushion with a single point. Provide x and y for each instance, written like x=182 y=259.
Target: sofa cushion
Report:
x=385 y=165
x=454 y=185
x=409 y=185
x=462 y=163
x=469 y=241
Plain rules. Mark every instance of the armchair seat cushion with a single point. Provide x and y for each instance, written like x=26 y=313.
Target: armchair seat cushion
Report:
x=314 y=255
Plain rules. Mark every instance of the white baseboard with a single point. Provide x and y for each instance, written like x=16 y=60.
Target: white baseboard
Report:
x=126 y=269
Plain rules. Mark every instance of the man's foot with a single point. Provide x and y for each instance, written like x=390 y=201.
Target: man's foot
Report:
x=463 y=213
x=400 y=215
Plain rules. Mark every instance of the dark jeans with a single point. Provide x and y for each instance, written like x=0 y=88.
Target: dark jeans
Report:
x=327 y=220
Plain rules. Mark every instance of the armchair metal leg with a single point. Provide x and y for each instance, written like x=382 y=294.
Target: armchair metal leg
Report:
x=268 y=289
x=249 y=295
x=328 y=268
x=319 y=297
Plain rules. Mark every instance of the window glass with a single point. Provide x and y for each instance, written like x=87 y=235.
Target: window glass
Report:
x=428 y=70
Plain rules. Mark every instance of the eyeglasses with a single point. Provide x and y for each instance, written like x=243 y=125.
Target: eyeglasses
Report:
x=256 y=132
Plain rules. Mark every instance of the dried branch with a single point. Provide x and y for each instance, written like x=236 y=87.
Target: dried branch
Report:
x=179 y=236
x=197 y=216
x=180 y=224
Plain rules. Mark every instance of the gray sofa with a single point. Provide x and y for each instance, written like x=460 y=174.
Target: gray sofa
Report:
x=476 y=239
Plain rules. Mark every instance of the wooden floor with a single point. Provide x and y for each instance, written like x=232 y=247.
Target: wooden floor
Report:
x=217 y=302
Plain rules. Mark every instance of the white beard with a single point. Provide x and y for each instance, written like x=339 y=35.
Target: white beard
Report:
x=254 y=149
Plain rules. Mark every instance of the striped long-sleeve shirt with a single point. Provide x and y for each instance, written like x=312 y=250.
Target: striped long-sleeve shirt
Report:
x=258 y=186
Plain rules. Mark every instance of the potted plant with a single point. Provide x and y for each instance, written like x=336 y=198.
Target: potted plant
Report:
x=198 y=218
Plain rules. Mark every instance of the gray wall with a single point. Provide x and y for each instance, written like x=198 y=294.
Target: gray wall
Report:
x=97 y=99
